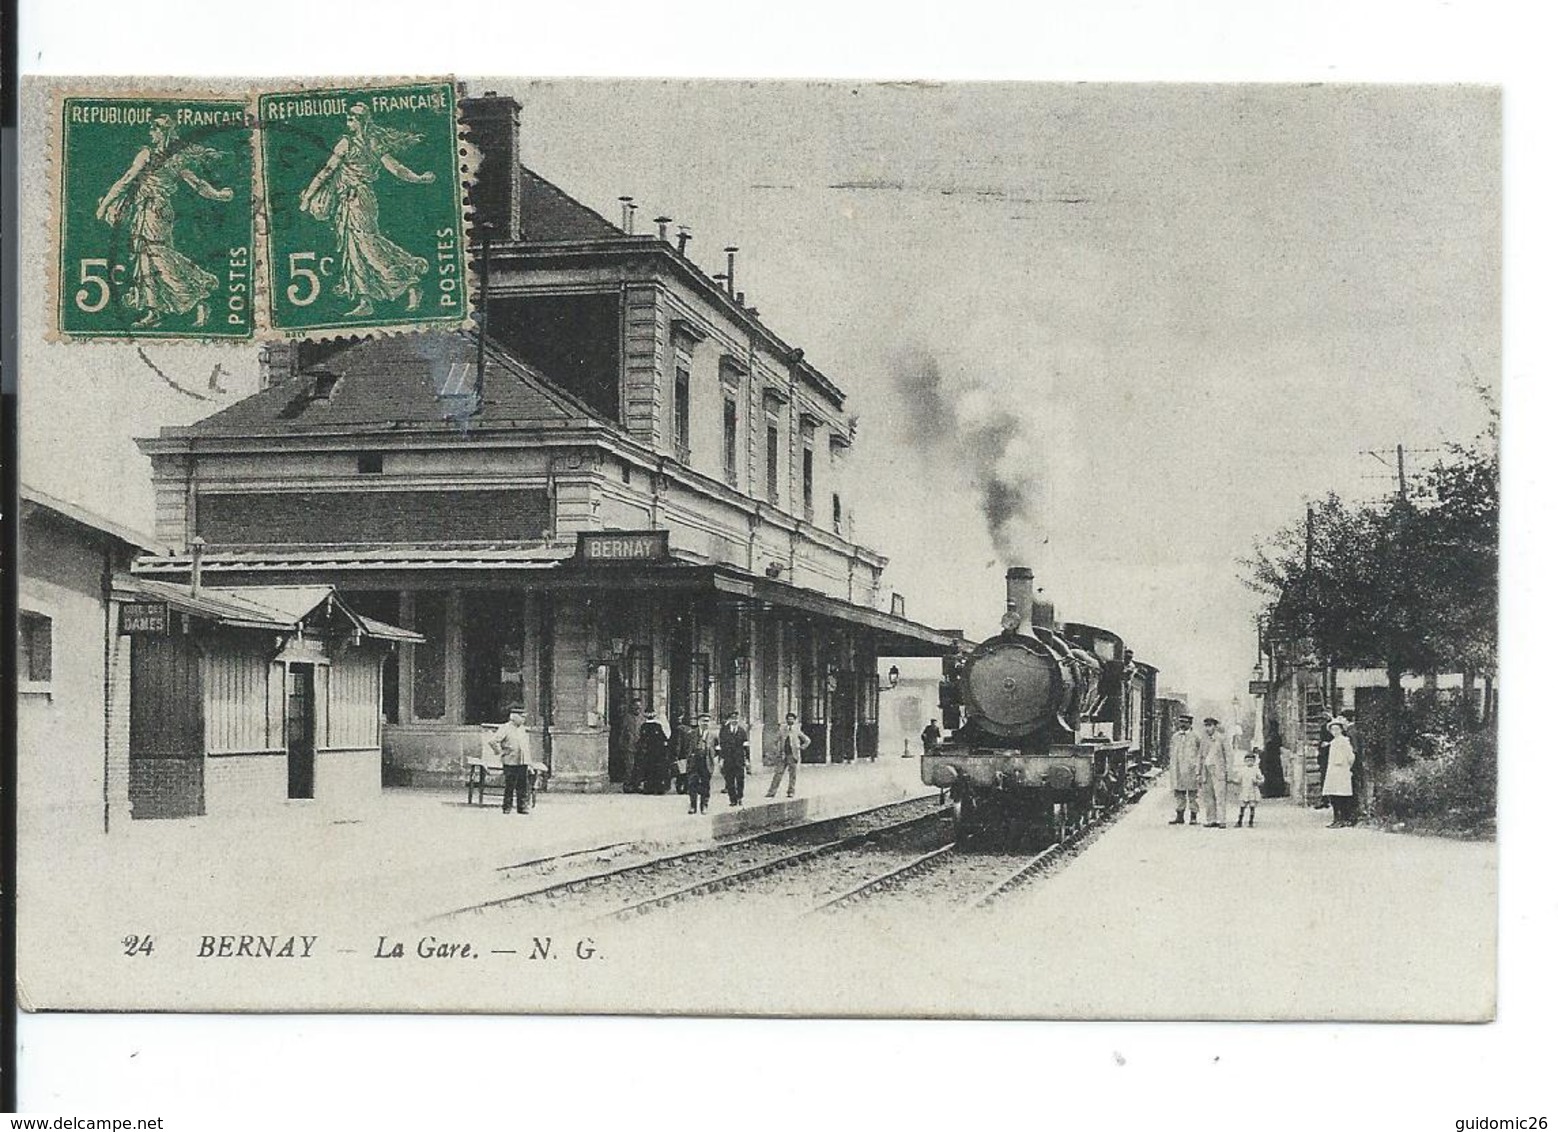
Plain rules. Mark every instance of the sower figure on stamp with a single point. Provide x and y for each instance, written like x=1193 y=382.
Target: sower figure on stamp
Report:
x=734 y=757
x=511 y=743
x=162 y=279
x=372 y=266
x=700 y=765
x=1185 y=770
x=792 y=741
x=1214 y=773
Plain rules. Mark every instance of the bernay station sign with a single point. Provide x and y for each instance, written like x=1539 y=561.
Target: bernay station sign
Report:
x=624 y=546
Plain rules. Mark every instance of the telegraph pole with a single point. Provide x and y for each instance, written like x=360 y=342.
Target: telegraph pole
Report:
x=481 y=324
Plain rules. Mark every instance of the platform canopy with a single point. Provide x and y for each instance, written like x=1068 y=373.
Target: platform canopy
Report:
x=278 y=608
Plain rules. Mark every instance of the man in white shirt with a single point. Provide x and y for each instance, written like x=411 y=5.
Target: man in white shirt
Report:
x=792 y=741
x=511 y=743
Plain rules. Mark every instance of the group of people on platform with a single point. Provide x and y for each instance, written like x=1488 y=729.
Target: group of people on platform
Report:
x=1199 y=765
x=658 y=759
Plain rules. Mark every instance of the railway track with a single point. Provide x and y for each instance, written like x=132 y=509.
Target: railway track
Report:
x=665 y=880
x=743 y=878
x=968 y=878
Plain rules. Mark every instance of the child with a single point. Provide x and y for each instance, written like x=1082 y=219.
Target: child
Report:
x=1250 y=779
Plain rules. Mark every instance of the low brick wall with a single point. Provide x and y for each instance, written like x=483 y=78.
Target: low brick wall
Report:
x=167 y=788
x=243 y=784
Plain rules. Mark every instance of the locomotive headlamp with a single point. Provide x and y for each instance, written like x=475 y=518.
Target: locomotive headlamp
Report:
x=1010 y=621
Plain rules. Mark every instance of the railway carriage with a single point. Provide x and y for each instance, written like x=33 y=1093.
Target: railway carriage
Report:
x=1044 y=722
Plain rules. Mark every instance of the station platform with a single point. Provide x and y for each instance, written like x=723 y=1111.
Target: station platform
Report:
x=1289 y=919
x=404 y=854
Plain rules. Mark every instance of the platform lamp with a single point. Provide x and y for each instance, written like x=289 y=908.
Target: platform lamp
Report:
x=892 y=679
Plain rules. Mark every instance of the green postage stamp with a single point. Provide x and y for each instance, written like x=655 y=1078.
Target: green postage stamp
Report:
x=364 y=207
x=156 y=218
x=296 y=213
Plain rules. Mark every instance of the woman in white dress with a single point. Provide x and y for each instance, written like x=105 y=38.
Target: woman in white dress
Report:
x=1338 y=776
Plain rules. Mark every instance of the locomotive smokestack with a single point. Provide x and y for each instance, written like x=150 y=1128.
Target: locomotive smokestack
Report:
x=1019 y=600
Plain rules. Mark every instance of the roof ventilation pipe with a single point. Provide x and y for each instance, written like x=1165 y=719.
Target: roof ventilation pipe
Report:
x=730 y=269
x=197 y=551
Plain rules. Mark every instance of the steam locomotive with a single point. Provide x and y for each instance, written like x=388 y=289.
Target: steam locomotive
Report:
x=1045 y=722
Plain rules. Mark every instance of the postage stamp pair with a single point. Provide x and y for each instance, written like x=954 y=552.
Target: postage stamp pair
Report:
x=284 y=213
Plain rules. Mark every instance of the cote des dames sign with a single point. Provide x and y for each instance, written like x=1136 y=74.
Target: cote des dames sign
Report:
x=148 y=617
x=624 y=546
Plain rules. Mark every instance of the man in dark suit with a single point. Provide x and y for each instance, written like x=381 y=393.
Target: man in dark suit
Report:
x=734 y=757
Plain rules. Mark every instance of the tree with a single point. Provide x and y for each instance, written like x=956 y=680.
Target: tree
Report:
x=1409 y=586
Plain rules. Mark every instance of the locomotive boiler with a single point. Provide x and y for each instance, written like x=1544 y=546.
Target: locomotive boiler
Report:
x=1034 y=720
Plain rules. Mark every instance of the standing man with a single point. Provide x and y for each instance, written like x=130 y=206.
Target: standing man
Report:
x=628 y=739
x=930 y=737
x=792 y=741
x=682 y=746
x=1185 y=770
x=734 y=758
x=511 y=743
x=1214 y=772
x=700 y=765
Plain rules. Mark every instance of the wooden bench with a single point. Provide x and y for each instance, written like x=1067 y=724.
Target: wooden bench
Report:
x=485 y=774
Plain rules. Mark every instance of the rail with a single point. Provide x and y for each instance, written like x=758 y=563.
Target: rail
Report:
x=763 y=868
x=605 y=876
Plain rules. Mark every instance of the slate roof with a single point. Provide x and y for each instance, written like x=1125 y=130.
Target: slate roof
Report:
x=87 y=518
x=549 y=215
x=409 y=381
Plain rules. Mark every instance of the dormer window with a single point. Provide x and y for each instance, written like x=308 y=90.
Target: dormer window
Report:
x=322 y=384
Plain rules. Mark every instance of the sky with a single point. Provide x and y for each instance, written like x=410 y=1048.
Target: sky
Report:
x=1151 y=321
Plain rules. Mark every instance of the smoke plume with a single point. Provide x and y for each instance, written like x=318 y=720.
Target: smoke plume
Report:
x=961 y=422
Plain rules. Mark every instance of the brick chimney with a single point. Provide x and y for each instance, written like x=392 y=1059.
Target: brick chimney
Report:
x=278 y=362
x=492 y=123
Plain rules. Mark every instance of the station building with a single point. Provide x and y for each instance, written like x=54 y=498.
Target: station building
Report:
x=73 y=777
x=627 y=488
x=141 y=699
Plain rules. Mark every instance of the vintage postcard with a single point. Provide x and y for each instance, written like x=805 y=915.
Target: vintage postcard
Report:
x=829 y=549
